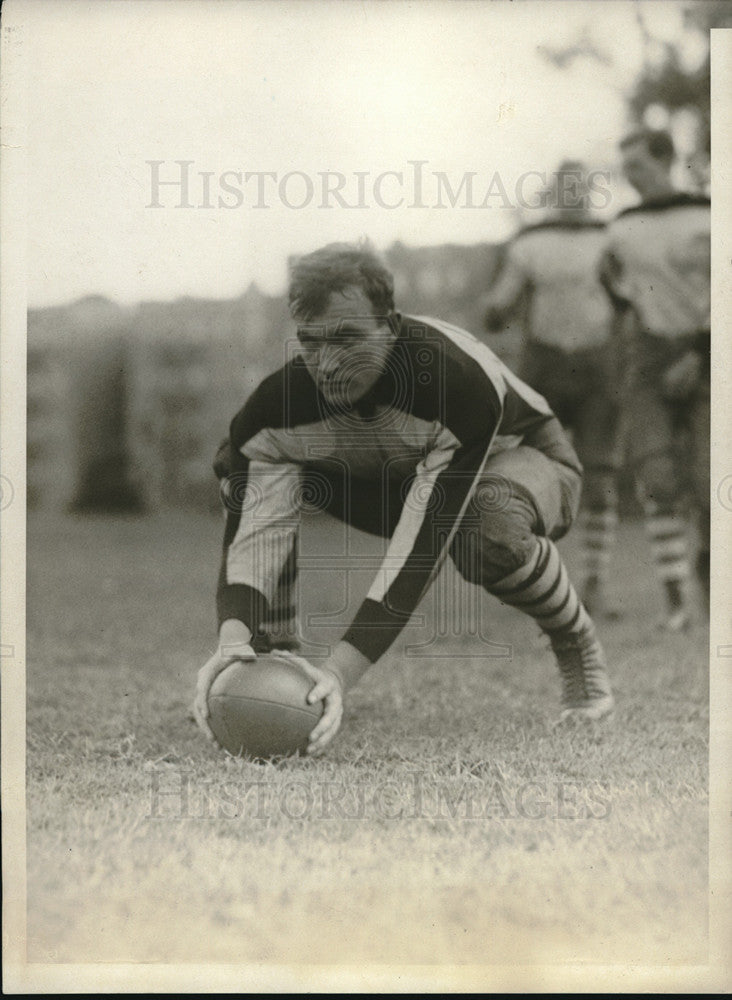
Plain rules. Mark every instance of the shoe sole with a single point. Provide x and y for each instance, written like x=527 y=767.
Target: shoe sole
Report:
x=596 y=713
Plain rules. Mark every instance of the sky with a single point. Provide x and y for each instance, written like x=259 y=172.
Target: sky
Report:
x=118 y=92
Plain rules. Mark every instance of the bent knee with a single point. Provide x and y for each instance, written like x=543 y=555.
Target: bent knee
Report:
x=501 y=544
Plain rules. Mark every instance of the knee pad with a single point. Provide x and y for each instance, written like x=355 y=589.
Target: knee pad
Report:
x=497 y=546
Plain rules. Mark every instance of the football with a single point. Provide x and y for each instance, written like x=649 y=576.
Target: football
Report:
x=258 y=708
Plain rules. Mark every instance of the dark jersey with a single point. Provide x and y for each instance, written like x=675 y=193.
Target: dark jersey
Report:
x=444 y=404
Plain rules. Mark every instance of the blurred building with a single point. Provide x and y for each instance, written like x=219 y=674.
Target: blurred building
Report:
x=77 y=434
x=450 y=282
x=126 y=407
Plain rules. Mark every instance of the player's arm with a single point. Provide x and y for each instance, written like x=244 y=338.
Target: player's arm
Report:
x=222 y=460
x=612 y=276
x=235 y=633
x=624 y=322
x=261 y=522
x=420 y=543
x=507 y=292
x=413 y=559
x=433 y=509
x=685 y=375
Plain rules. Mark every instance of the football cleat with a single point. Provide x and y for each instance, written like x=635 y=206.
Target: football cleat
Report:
x=586 y=691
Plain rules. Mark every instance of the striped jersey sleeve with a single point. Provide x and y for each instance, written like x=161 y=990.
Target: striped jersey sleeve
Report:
x=261 y=498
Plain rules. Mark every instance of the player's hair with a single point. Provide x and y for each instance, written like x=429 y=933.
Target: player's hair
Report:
x=315 y=276
x=657 y=141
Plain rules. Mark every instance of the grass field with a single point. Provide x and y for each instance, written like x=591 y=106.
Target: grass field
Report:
x=450 y=822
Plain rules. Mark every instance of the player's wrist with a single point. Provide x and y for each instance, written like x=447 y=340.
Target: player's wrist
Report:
x=233 y=633
x=348 y=664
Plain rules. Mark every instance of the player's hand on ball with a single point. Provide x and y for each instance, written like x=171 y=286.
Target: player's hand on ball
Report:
x=328 y=689
x=226 y=654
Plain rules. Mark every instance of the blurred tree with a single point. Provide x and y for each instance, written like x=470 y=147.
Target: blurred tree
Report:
x=584 y=47
x=672 y=87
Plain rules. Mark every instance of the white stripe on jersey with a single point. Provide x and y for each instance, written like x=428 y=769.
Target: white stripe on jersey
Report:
x=491 y=365
x=497 y=372
x=420 y=495
x=413 y=513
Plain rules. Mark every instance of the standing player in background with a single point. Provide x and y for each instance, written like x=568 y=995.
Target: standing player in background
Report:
x=657 y=271
x=408 y=428
x=568 y=354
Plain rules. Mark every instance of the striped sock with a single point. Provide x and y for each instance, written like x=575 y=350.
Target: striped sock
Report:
x=598 y=538
x=542 y=588
x=667 y=534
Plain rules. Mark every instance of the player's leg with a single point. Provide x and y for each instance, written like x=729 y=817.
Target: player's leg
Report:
x=699 y=427
x=652 y=456
x=280 y=628
x=369 y=506
x=576 y=384
x=516 y=560
x=596 y=442
x=598 y=523
x=329 y=487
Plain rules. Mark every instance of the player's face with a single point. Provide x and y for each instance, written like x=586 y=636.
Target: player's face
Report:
x=347 y=348
x=648 y=175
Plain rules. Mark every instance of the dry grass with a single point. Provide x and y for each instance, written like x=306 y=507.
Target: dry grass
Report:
x=449 y=823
